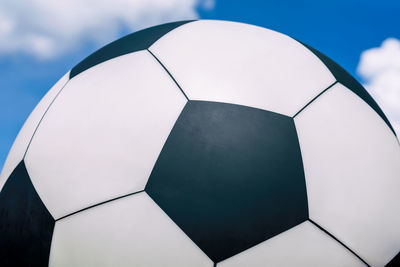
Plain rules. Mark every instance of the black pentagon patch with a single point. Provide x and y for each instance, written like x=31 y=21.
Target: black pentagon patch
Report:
x=342 y=76
x=230 y=176
x=26 y=226
x=133 y=42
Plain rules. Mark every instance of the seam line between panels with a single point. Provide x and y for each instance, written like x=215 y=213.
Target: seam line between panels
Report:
x=41 y=119
x=340 y=242
x=179 y=227
x=312 y=100
x=172 y=77
x=98 y=204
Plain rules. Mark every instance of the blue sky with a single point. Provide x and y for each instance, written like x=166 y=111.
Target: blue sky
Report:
x=343 y=30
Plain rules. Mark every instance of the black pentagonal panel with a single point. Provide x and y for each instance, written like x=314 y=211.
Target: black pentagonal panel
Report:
x=230 y=176
x=131 y=43
x=26 y=226
x=342 y=76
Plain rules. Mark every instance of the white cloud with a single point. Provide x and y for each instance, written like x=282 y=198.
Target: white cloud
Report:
x=48 y=28
x=380 y=69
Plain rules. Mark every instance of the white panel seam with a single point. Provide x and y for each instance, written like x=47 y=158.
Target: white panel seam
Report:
x=41 y=119
x=98 y=204
x=315 y=98
x=337 y=240
x=169 y=74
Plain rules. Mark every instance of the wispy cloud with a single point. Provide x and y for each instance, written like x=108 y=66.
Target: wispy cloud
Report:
x=47 y=28
x=380 y=69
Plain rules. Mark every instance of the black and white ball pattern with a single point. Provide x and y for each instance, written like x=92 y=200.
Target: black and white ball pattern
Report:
x=203 y=143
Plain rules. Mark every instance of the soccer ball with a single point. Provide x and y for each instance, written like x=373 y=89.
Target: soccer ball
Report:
x=203 y=143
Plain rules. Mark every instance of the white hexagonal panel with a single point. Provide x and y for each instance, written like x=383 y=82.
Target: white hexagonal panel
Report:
x=352 y=167
x=132 y=231
x=102 y=135
x=242 y=64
